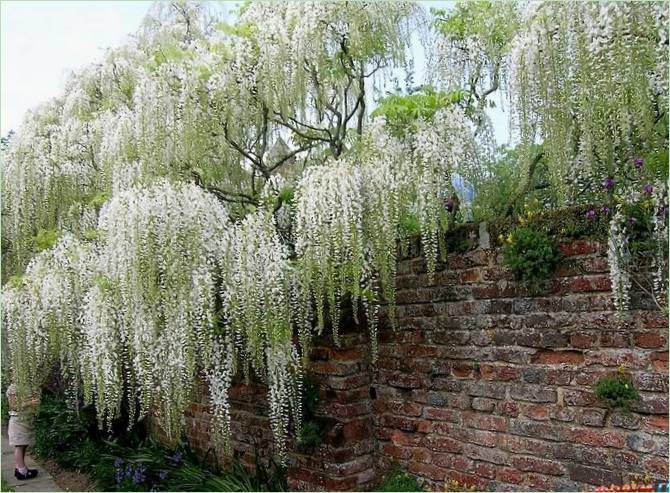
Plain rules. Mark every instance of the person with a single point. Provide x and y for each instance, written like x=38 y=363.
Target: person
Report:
x=21 y=434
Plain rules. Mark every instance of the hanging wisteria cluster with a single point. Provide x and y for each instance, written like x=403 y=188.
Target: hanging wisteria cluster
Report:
x=209 y=194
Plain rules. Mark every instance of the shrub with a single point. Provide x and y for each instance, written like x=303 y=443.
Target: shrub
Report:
x=398 y=480
x=126 y=461
x=617 y=392
x=531 y=255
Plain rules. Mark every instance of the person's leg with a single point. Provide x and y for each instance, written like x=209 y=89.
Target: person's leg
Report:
x=20 y=458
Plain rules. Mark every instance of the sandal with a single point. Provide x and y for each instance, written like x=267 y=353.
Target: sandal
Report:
x=30 y=474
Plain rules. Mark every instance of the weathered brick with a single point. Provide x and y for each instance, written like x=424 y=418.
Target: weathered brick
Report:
x=534 y=464
x=427 y=470
x=562 y=414
x=442 y=444
x=399 y=422
x=649 y=340
x=659 y=361
x=615 y=339
x=504 y=373
x=535 y=411
x=652 y=404
x=577 y=247
x=508 y=408
x=576 y=397
x=656 y=466
x=653 y=382
x=537 y=429
x=485 y=422
x=598 y=438
x=657 y=424
x=485 y=470
x=558 y=357
x=486 y=454
x=442 y=414
x=488 y=389
x=593 y=475
x=509 y=475
x=483 y=404
x=640 y=442
x=593 y=417
x=532 y=393
x=582 y=340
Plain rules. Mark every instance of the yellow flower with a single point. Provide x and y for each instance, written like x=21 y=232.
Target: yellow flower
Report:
x=622 y=369
x=509 y=238
x=522 y=220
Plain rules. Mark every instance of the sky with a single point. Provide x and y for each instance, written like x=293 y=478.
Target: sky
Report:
x=42 y=41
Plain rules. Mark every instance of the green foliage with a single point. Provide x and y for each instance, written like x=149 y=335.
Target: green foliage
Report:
x=477 y=19
x=398 y=480
x=91 y=234
x=313 y=428
x=44 y=239
x=531 y=255
x=129 y=462
x=98 y=199
x=6 y=486
x=401 y=111
x=617 y=392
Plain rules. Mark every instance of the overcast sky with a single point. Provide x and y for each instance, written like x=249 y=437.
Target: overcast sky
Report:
x=42 y=41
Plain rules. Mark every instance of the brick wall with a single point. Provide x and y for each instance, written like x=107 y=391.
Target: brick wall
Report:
x=483 y=383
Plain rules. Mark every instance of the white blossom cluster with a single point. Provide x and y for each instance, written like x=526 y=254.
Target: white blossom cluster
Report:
x=41 y=312
x=618 y=257
x=602 y=57
x=163 y=248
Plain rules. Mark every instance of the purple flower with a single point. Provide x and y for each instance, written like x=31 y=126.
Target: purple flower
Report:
x=117 y=463
x=648 y=188
x=608 y=183
x=118 y=476
x=605 y=210
x=639 y=162
x=129 y=471
x=591 y=214
x=632 y=221
x=138 y=477
x=176 y=457
x=162 y=474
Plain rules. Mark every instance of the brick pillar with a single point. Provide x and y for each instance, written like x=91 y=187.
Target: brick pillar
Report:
x=345 y=460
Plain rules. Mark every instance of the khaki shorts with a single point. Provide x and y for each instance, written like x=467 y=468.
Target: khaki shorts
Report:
x=20 y=431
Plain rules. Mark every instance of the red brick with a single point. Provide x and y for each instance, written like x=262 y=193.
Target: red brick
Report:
x=582 y=340
x=462 y=370
x=442 y=444
x=577 y=247
x=396 y=452
x=470 y=275
x=649 y=340
x=468 y=481
x=656 y=465
x=404 y=408
x=503 y=373
x=657 y=423
x=659 y=361
x=485 y=422
x=598 y=438
x=409 y=439
x=558 y=357
x=508 y=408
x=399 y=422
x=485 y=470
x=536 y=411
x=537 y=465
x=509 y=475
x=442 y=414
